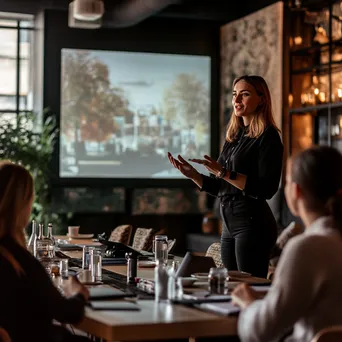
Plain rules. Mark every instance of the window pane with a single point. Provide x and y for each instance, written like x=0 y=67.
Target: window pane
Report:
x=8 y=43
x=26 y=23
x=8 y=54
x=8 y=22
x=25 y=70
x=8 y=102
x=8 y=84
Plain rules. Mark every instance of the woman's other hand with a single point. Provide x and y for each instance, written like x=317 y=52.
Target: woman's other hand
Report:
x=210 y=164
x=183 y=166
x=243 y=295
x=73 y=287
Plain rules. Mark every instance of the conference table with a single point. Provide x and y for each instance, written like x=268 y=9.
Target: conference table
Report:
x=154 y=321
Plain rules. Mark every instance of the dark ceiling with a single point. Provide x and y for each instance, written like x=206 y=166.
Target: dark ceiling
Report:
x=220 y=11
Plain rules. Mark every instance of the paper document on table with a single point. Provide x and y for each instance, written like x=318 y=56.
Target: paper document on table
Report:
x=114 y=305
x=261 y=288
x=226 y=308
x=99 y=293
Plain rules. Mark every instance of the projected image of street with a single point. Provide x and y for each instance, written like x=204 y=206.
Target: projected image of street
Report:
x=121 y=112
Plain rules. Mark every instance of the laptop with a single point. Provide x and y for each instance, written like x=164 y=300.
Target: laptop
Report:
x=193 y=263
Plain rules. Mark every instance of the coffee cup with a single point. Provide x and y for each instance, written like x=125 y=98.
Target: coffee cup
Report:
x=73 y=230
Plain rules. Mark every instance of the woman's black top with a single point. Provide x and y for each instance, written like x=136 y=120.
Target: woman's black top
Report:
x=260 y=159
x=29 y=302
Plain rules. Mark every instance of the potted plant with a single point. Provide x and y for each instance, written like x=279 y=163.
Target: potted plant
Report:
x=29 y=141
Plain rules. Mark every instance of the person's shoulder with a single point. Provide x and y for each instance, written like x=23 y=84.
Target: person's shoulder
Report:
x=272 y=135
x=304 y=244
x=272 y=132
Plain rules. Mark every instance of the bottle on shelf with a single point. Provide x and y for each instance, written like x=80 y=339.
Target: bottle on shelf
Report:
x=33 y=237
x=316 y=93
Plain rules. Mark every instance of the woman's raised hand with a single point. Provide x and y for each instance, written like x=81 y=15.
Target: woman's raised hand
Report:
x=183 y=166
x=210 y=164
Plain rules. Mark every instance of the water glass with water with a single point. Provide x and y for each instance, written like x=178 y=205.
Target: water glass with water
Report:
x=160 y=248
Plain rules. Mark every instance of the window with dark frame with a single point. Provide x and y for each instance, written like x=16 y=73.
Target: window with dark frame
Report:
x=16 y=38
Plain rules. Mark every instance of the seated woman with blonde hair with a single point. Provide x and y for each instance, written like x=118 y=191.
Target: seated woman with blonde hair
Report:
x=29 y=300
x=306 y=291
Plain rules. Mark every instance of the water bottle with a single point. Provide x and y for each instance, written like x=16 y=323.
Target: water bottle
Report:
x=160 y=281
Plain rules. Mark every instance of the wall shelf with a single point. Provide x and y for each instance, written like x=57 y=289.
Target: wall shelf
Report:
x=316 y=124
x=307 y=51
x=325 y=68
x=315 y=108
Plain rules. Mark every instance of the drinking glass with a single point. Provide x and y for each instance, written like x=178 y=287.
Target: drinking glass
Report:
x=51 y=266
x=159 y=248
x=64 y=268
x=43 y=249
x=218 y=280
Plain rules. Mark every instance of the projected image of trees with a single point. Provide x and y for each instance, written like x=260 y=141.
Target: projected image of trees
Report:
x=122 y=112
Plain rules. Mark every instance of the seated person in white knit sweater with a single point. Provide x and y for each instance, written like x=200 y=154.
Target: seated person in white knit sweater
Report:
x=306 y=292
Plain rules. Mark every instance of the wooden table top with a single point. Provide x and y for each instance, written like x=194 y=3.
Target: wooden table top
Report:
x=154 y=321
x=146 y=273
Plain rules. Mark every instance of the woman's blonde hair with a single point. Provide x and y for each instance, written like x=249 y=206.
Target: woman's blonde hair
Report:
x=16 y=191
x=263 y=116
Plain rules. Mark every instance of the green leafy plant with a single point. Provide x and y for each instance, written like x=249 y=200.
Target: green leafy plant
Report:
x=29 y=141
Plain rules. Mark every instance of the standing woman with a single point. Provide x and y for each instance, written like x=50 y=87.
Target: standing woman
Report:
x=246 y=174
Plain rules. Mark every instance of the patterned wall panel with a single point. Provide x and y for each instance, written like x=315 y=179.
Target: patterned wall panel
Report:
x=169 y=201
x=89 y=200
x=253 y=45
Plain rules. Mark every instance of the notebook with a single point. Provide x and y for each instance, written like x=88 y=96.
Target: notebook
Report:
x=98 y=293
x=114 y=305
x=227 y=308
x=200 y=299
x=114 y=261
x=69 y=247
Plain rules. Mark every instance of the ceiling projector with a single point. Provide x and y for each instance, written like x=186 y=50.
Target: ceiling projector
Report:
x=86 y=13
